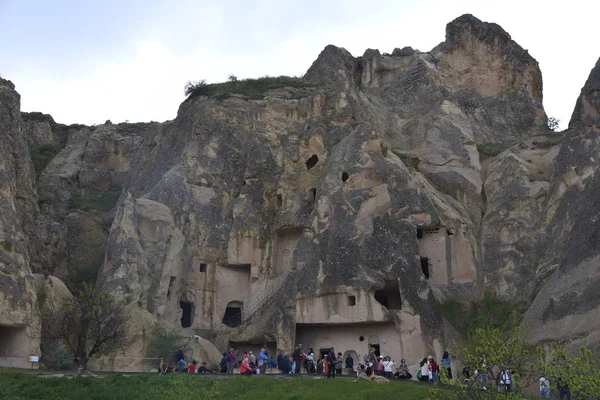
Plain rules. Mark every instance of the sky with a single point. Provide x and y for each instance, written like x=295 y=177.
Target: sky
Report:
x=128 y=60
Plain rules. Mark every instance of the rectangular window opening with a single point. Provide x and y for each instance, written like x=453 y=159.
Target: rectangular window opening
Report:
x=351 y=301
x=202 y=267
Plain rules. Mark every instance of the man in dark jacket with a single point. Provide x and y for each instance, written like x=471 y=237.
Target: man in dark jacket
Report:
x=180 y=359
x=331 y=361
x=297 y=356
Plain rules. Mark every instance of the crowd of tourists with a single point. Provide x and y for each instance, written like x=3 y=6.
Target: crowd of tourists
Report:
x=372 y=366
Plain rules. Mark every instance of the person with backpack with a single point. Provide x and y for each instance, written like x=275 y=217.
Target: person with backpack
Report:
x=180 y=360
x=331 y=361
x=388 y=368
x=544 y=388
x=223 y=364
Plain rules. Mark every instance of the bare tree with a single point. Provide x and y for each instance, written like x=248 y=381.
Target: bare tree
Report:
x=91 y=324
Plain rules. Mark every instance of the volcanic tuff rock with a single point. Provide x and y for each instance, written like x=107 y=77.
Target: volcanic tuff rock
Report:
x=348 y=213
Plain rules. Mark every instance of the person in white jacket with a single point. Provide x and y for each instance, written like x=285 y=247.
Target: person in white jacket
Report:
x=388 y=367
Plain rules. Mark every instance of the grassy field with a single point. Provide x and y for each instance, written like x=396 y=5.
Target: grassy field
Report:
x=19 y=386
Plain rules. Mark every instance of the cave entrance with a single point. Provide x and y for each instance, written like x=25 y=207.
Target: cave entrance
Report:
x=324 y=352
x=11 y=340
x=187 y=313
x=311 y=162
x=425 y=266
x=389 y=295
x=233 y=314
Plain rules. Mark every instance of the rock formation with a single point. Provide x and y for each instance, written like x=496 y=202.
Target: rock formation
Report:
x=339 y=214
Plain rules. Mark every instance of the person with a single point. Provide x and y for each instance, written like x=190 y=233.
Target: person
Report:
x=370 y=359
x=280 y=357
x=403 y=372
x=447 y=364
x=203 y=369
x=331 y=363
x=223 y=364
x=349 y=362
x=339 y=364
x=180 y=359
x=324 y=365
x=192 y=367
x=272 y=363
x=423 y=374
x=380 y=371
x=267 y=351
x=252 y=357
x=484 y=373
x=297 y=356
x=433 y=370
x=286 y=363
x=563 y=389
x=467 y=375
x=310 y=361
x=505 y=380
x=388 y=367
x=263 y=360
x=544 y=388
x=245 y=368
x=231 y=361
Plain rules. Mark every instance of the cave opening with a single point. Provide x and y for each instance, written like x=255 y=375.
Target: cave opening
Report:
x=345 y=176
x=311 y=162
x=187 y=313
x=425 y=266
x=389 y=295
x=233 y=314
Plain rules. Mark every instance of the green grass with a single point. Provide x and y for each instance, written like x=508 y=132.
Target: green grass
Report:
x=42 y=154
x=252 y=88
x=105 y=201
x=491 y=149
x=550 y=140
x=18 y=386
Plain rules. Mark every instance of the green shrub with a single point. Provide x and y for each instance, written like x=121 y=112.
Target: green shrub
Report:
x=488 y=313
x=42 y=154
x=163 y=344
x=491 y=149
x=106 y=201
x=59 y=358
x=126 y=128
x=252 y=88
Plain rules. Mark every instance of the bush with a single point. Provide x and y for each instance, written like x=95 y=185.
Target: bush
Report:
x=412 y=163
x=252 y=88
x=491 y=149
x=488 y=313
x=59 y=358
x=551 y=140
x=106 y=201
x=42 y=154
x=163 y=344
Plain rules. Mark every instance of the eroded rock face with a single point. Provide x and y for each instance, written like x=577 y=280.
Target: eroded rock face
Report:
x=338 y=218
x=19 y=322
x=567 y=305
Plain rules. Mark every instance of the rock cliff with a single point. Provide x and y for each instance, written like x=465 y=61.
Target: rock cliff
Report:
x=338 y=213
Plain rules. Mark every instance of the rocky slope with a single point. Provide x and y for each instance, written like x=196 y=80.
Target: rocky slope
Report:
x=358 y=202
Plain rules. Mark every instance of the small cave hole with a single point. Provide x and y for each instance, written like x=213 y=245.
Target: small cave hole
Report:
x=450 y=232
x=381 y=298
x=279 y=200
x=344 y=176
x=425 y=266
x=362 y=338
x=202 y=267
x=187 y=314
x=419 y=233
x=313 y=193
x=233 y=316
x=244 y=182
x=311 y=162
x=351 y=301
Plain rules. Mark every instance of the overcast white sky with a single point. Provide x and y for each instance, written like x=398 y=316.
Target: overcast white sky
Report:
x=89 y=61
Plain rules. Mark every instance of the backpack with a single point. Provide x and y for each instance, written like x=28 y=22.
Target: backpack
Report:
x=419 y=374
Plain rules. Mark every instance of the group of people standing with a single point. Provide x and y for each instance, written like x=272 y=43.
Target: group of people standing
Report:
x=429 y=369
